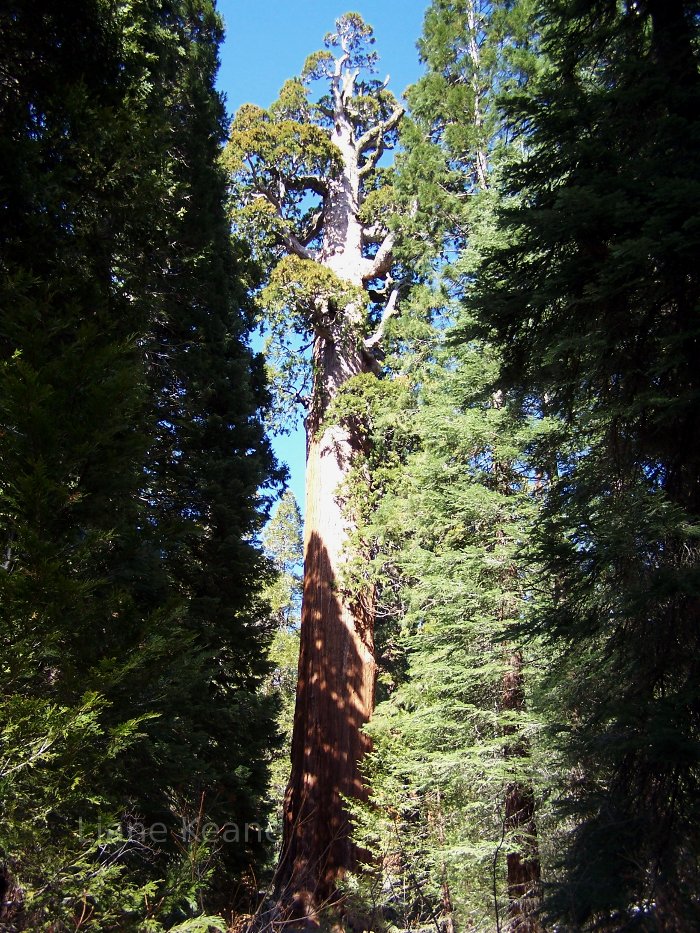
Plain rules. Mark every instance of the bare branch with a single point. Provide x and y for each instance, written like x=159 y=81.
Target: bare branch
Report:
x=336 y=88
x=381 y=264
x=308 y=183
x=303 y=400
x=373 y=233
x=294 y=245
x=349 y=83
x=374 y=135
x=370 y=162
x=313 y=228
x=376 y=296
x=290 y=241
x=482 y=167
x=390 y=310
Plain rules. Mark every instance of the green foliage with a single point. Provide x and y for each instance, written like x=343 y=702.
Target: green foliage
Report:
x=282 y=685
x=313 y=292
x=282 y=540
x=318 y=65
x=380 y=204
x=267 y=151
x=292 y=103
x=547 y=490
x=448 y=525
x=302 y=297
x=274 y=142
x=353 y=36
x=471 y=49
x=205 y=469
x=457 y=139
x=132 y=454
x=590 y=289
x=452 y=503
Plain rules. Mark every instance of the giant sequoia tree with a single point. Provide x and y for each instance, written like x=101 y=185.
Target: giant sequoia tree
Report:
x=308 y=183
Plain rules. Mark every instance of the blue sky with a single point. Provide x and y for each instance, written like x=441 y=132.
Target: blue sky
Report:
x=267 y=42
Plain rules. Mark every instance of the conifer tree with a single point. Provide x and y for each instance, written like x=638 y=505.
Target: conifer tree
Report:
x=591 y=290
x=205 y=468
x=451 y=766
x=452 y=740
x=131 y=454
x=307 y=183
x=74 y=432
x=283 y=544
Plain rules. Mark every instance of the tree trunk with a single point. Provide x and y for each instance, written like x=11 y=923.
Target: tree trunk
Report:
x=335 y=691
x=447 y=923
x=523 y=863
x=337 y=671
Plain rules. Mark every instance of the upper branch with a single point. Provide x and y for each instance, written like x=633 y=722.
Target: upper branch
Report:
x=290 y=240
x=375 y=155
x=313 y=183
x=313 y=228
x=390 y=310
x=381 y=264
x=337 y=83
x=294 y=245
x=375 y=134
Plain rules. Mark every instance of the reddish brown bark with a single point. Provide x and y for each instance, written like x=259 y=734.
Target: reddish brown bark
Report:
x=335 y=692
x=523 y=863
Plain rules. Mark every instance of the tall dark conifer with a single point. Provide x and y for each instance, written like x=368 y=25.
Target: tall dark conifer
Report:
x=74 y=423
x=205 y=468
x=593 y=293
x=131 y=455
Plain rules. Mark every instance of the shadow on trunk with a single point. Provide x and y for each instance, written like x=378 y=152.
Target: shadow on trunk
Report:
x=334 y=700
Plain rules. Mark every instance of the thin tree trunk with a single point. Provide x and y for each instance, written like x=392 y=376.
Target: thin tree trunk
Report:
x=523 y=863
x=480 y=157
x=447 y=923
